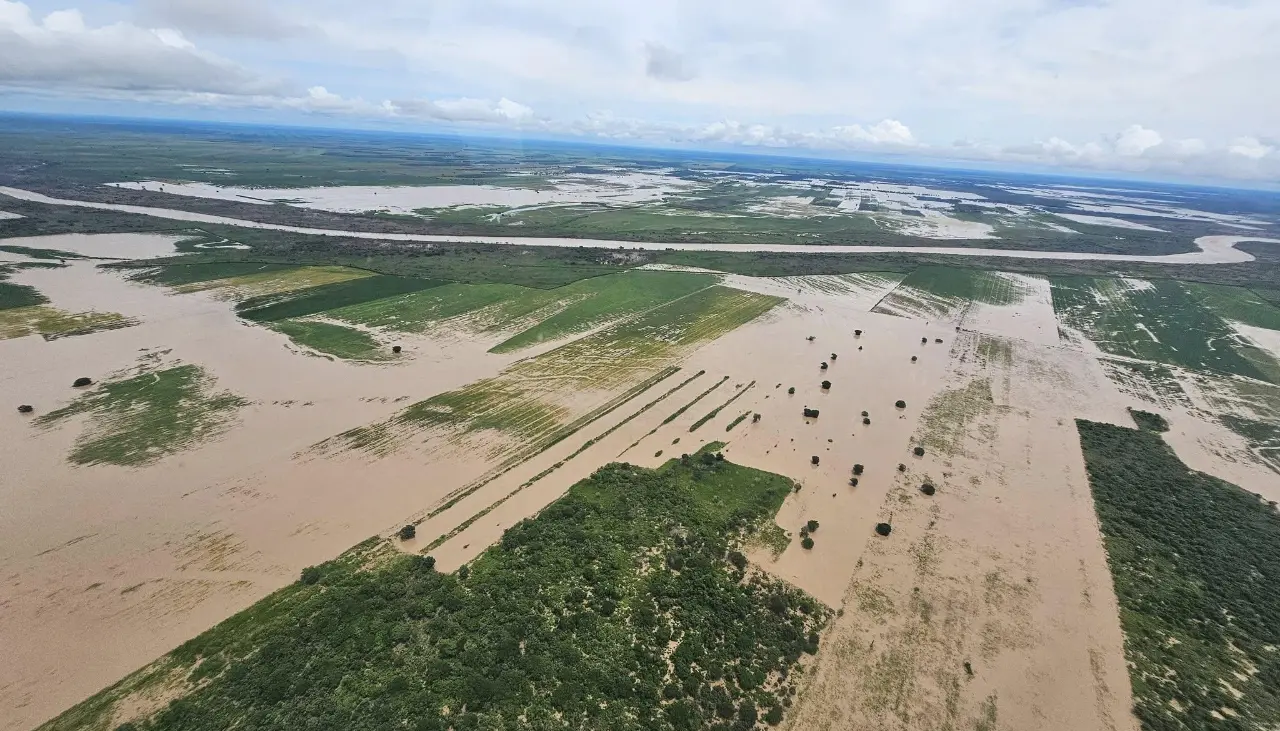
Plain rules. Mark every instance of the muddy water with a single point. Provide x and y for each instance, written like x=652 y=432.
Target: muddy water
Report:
x=1213 y=249
x=114 y=566
x=103 y=246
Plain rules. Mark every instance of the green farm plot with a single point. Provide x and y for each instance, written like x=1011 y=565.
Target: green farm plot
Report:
x=1196 y=566
x=13 y=296
x=622 y=605
x=315 y=300
x=1160 y=321
x=526 y=404
x=1237 y=303
x=942 y=293
x=137 y=421
x=335 y=340
x=534 y=315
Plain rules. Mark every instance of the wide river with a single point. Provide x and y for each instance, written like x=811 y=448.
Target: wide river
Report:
x=1212 y=249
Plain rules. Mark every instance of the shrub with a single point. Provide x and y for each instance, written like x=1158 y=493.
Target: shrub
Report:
x=823 y=366
x=924 y=340
x=747 y=714
x=684 y=460
x=463 y=572
x=810 y=413
x=826 y=385
x=857 y=469
x=865 y=414
x=807 y=543
x=407 y=532
x=918 y=451
x=82 y=382
x=927 y=489
x=25 y=409
x=738 y=560
x=937 y=340
x=719 y=456
x=708 y=458
x=857 y=333
x=883 y=529
x=853 y=482
x=755 y=418
x=774 y=716
x=902 y=467
x=900 y=404
x=833 y=356
x=810 y=338
x=791 y=391
x=914 y=359
x=311 y=575
x=395 y=349
x=866 y=422
x=813 y=459
x=811 y=525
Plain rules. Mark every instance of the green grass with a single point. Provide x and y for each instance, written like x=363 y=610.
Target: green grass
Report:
x=1196 y=566
x=939 y=293
x=605 y=299
x=314 y=300
x=742 y=417
x=614 y=608
x=1163 y=322
x=1147 y=421
x=330 y=339
x=1237 y=303
x=421 y=311
x=13 y=295
x=140 y=420
x=714 y=412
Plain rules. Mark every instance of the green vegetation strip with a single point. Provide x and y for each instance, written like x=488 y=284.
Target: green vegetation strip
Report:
x=718 y=409
x=555 y=438
x=440 y=541
x=1196 y=564
x=175 y=275
x=40 y=253
x=738 y=420
x=139 y=420
x=620 y=606
x=13 y=296
x=695 y=400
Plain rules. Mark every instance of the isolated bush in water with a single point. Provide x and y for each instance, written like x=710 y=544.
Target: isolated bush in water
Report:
x=901 y=404
x=918 y=451
x=407 y=532
x=792 y=390
x=857 y=469
x=812 y=525
x=883 y=529
x=866 y=422
x=927 y=489
x=82 y=382
x=807 y=543
x=26 y=409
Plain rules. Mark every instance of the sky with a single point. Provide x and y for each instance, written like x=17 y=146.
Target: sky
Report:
x=1168 y=88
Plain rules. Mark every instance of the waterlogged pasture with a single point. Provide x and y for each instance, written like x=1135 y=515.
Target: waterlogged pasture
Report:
x=139 y=420
x=1164 y=321
x=944 y=293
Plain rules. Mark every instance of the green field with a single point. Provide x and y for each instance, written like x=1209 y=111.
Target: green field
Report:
x=176 y=275
x=17 y=295
x=1237 y=303
x=1196 y=565
x=942 y=293
x=140 y=420
x=535 y=315
x=314 y=300
x=330 y=339
x=623 y=605
x=1160 y=321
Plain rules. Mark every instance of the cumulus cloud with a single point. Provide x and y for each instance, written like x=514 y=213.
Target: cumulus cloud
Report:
x=62 y=51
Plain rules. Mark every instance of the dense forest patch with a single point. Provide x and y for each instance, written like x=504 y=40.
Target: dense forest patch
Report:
x=623 y=605
x=1148 y=421
x=1196 y=563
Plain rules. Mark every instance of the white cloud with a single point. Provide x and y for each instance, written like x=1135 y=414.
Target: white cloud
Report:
x=1135 y=140
x=1250 y=148
x=61 y=52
